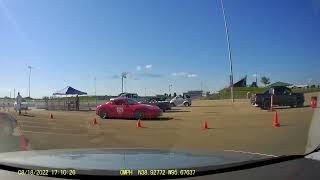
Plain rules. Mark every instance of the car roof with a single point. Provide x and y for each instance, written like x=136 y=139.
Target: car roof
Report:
x=119 y=98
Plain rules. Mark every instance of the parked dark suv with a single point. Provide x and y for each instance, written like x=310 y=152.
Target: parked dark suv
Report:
x=283 y=96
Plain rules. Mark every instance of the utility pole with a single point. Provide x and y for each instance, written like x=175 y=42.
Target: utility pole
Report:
x=122 y=84
x=95 y=89
x=257 y=79
x=14 y=92
x=29 y=67
x=123 y=75
x=229 y=50
x=170 y=86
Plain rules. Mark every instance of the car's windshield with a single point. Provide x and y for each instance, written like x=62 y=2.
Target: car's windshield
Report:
x=73 y=72
x=132 y=102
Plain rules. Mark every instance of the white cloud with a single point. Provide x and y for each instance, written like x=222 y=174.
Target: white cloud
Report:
x=184 y=74
x=148 y=66
x=192 y=75
x=138 y=68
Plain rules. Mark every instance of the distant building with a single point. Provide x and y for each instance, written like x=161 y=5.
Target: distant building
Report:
x=194 y=94
x=241 y=83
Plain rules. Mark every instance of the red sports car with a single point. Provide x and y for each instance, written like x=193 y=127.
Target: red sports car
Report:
x=123 y=107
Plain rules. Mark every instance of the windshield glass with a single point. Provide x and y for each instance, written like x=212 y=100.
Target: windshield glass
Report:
x=204 y=69
x=132 y=102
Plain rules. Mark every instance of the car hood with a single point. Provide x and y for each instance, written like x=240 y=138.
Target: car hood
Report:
x=149 y=106
x=118 y=159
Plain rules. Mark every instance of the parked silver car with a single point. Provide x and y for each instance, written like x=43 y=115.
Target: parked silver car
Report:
x=24 y=105
x=179 y=100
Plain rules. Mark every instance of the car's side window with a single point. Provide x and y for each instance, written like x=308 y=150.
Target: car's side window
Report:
x=286 y=92
x=278 y=91
x=130 y=102
x=119 y=102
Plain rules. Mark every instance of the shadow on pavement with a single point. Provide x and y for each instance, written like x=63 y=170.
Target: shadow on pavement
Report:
x=157 y=119
x=288 y=107
x=212 y=106
x=27 y=115
x=174 y=111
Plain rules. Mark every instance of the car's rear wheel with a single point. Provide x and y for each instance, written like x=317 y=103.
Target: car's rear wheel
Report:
x=186 y=104
x=103 y=113
x=300 y=104
x=138 y=114
x=172 y=104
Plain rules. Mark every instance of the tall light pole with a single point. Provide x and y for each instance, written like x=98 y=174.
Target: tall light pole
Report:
x=257 y=79
x=95 y=89
x=170 y=86
x=229 y=50
x=123 y=75
x=29 y=67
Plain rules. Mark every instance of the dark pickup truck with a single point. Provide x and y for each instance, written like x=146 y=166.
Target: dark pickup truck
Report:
x=162 y=104
x=282 y=96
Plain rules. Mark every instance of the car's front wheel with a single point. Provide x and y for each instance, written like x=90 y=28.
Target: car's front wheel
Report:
x=186 y=104
x=103 y=113
x=138 y=114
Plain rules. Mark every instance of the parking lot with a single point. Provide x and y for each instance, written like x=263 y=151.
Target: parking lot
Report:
x=237 y=126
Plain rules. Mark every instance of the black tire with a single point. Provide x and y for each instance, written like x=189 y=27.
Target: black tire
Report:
x=300 y=104
x=103 y=113
x=172 y=104
x=266 y=104
x=138 y=114
x=186 y=104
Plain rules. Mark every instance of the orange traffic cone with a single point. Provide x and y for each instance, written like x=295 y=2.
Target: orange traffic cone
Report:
x=23 y=143
x=275 y=120
x=51 y=116
x=205 y=125
x=94 y=121
x=138 y=124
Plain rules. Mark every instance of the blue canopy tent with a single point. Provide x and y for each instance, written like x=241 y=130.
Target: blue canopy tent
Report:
x=69 y=91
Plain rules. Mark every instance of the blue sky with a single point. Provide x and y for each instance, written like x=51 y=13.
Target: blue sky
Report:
x=159 y=42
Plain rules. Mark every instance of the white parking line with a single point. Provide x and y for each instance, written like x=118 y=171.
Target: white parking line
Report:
x=52 y=127
x=245 y=152
x=51 y=133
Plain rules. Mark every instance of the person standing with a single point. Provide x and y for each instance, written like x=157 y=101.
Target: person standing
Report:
x=19 y=101
x=77 y=103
